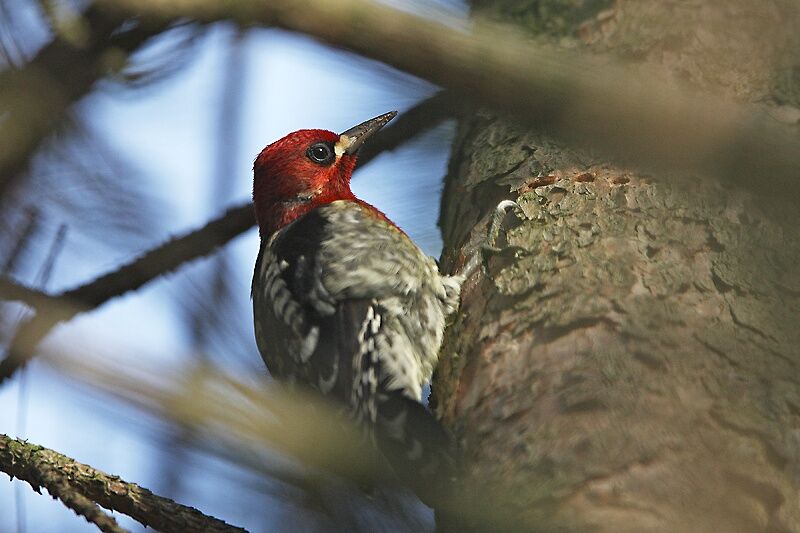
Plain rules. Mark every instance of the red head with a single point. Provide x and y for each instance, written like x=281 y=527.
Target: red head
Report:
x=306 y=169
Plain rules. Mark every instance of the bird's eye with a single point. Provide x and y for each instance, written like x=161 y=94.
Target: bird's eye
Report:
x=320 y=153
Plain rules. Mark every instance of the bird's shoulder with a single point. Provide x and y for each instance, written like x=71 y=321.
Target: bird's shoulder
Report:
x=347 y=249
x=343 y=219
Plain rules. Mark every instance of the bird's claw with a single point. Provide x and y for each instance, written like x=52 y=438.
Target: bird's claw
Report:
x=496 y=224
x=490 y=248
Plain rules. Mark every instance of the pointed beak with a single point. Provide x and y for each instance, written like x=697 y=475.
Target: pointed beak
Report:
x=351 y=140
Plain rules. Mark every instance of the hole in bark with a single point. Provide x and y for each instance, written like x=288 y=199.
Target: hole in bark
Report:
x=651 y=251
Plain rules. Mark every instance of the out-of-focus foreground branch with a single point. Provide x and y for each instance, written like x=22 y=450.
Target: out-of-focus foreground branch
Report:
x=81 y=487
x=35 y=98
x=241 y=417
x=639 y=117
x=164 y=258
x=245 y=420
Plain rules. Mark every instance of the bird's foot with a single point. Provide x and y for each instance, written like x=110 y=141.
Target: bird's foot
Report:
x=490 y=246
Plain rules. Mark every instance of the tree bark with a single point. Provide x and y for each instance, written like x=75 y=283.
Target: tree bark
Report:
x=629 y=360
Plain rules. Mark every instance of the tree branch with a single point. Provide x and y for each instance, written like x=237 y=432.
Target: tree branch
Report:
x=31 y=222
x=80 y=504
x=636 y=116
x=155 y=263
x=14 y=292
x=71 y=482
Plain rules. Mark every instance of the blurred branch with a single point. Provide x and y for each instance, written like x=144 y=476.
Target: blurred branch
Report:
x=227 y=413
x=30 y=296
x=9 y=48
x=639 y=117
x=34 y=298
x=86 y=508
x=80 y=487
x=205 y=320
x=206 y=316
x=35 y=97
x=246 y=420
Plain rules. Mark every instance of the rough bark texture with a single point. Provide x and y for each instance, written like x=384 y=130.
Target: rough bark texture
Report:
x=629 y=361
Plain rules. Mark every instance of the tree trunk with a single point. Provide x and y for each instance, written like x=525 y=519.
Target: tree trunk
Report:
x=629 y=360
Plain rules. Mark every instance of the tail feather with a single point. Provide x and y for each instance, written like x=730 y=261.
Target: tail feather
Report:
x=419 y=449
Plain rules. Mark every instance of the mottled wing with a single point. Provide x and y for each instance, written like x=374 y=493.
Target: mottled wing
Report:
x=303 y=334
x=418 y=448
x=341 y=304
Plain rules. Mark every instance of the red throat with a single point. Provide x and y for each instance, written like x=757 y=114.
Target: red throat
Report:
x=287 y=184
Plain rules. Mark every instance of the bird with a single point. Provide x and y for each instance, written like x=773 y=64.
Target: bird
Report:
x=345 y=303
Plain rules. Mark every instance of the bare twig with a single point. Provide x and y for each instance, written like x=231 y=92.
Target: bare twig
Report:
x=638 y=117
x=50 y=261
x=81 y=487
x=164 y=258
x=34 y=298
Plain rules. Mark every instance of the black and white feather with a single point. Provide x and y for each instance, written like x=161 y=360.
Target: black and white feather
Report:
x=346 y=303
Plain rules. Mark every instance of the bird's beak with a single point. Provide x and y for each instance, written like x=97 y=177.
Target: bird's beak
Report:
x=351 y=140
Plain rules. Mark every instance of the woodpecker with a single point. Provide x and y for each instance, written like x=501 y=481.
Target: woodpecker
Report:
x=344 y=301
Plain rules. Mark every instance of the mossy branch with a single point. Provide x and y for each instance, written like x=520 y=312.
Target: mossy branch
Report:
x=82 y=488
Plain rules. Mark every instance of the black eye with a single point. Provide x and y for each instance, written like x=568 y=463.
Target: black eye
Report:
x=320 y=153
